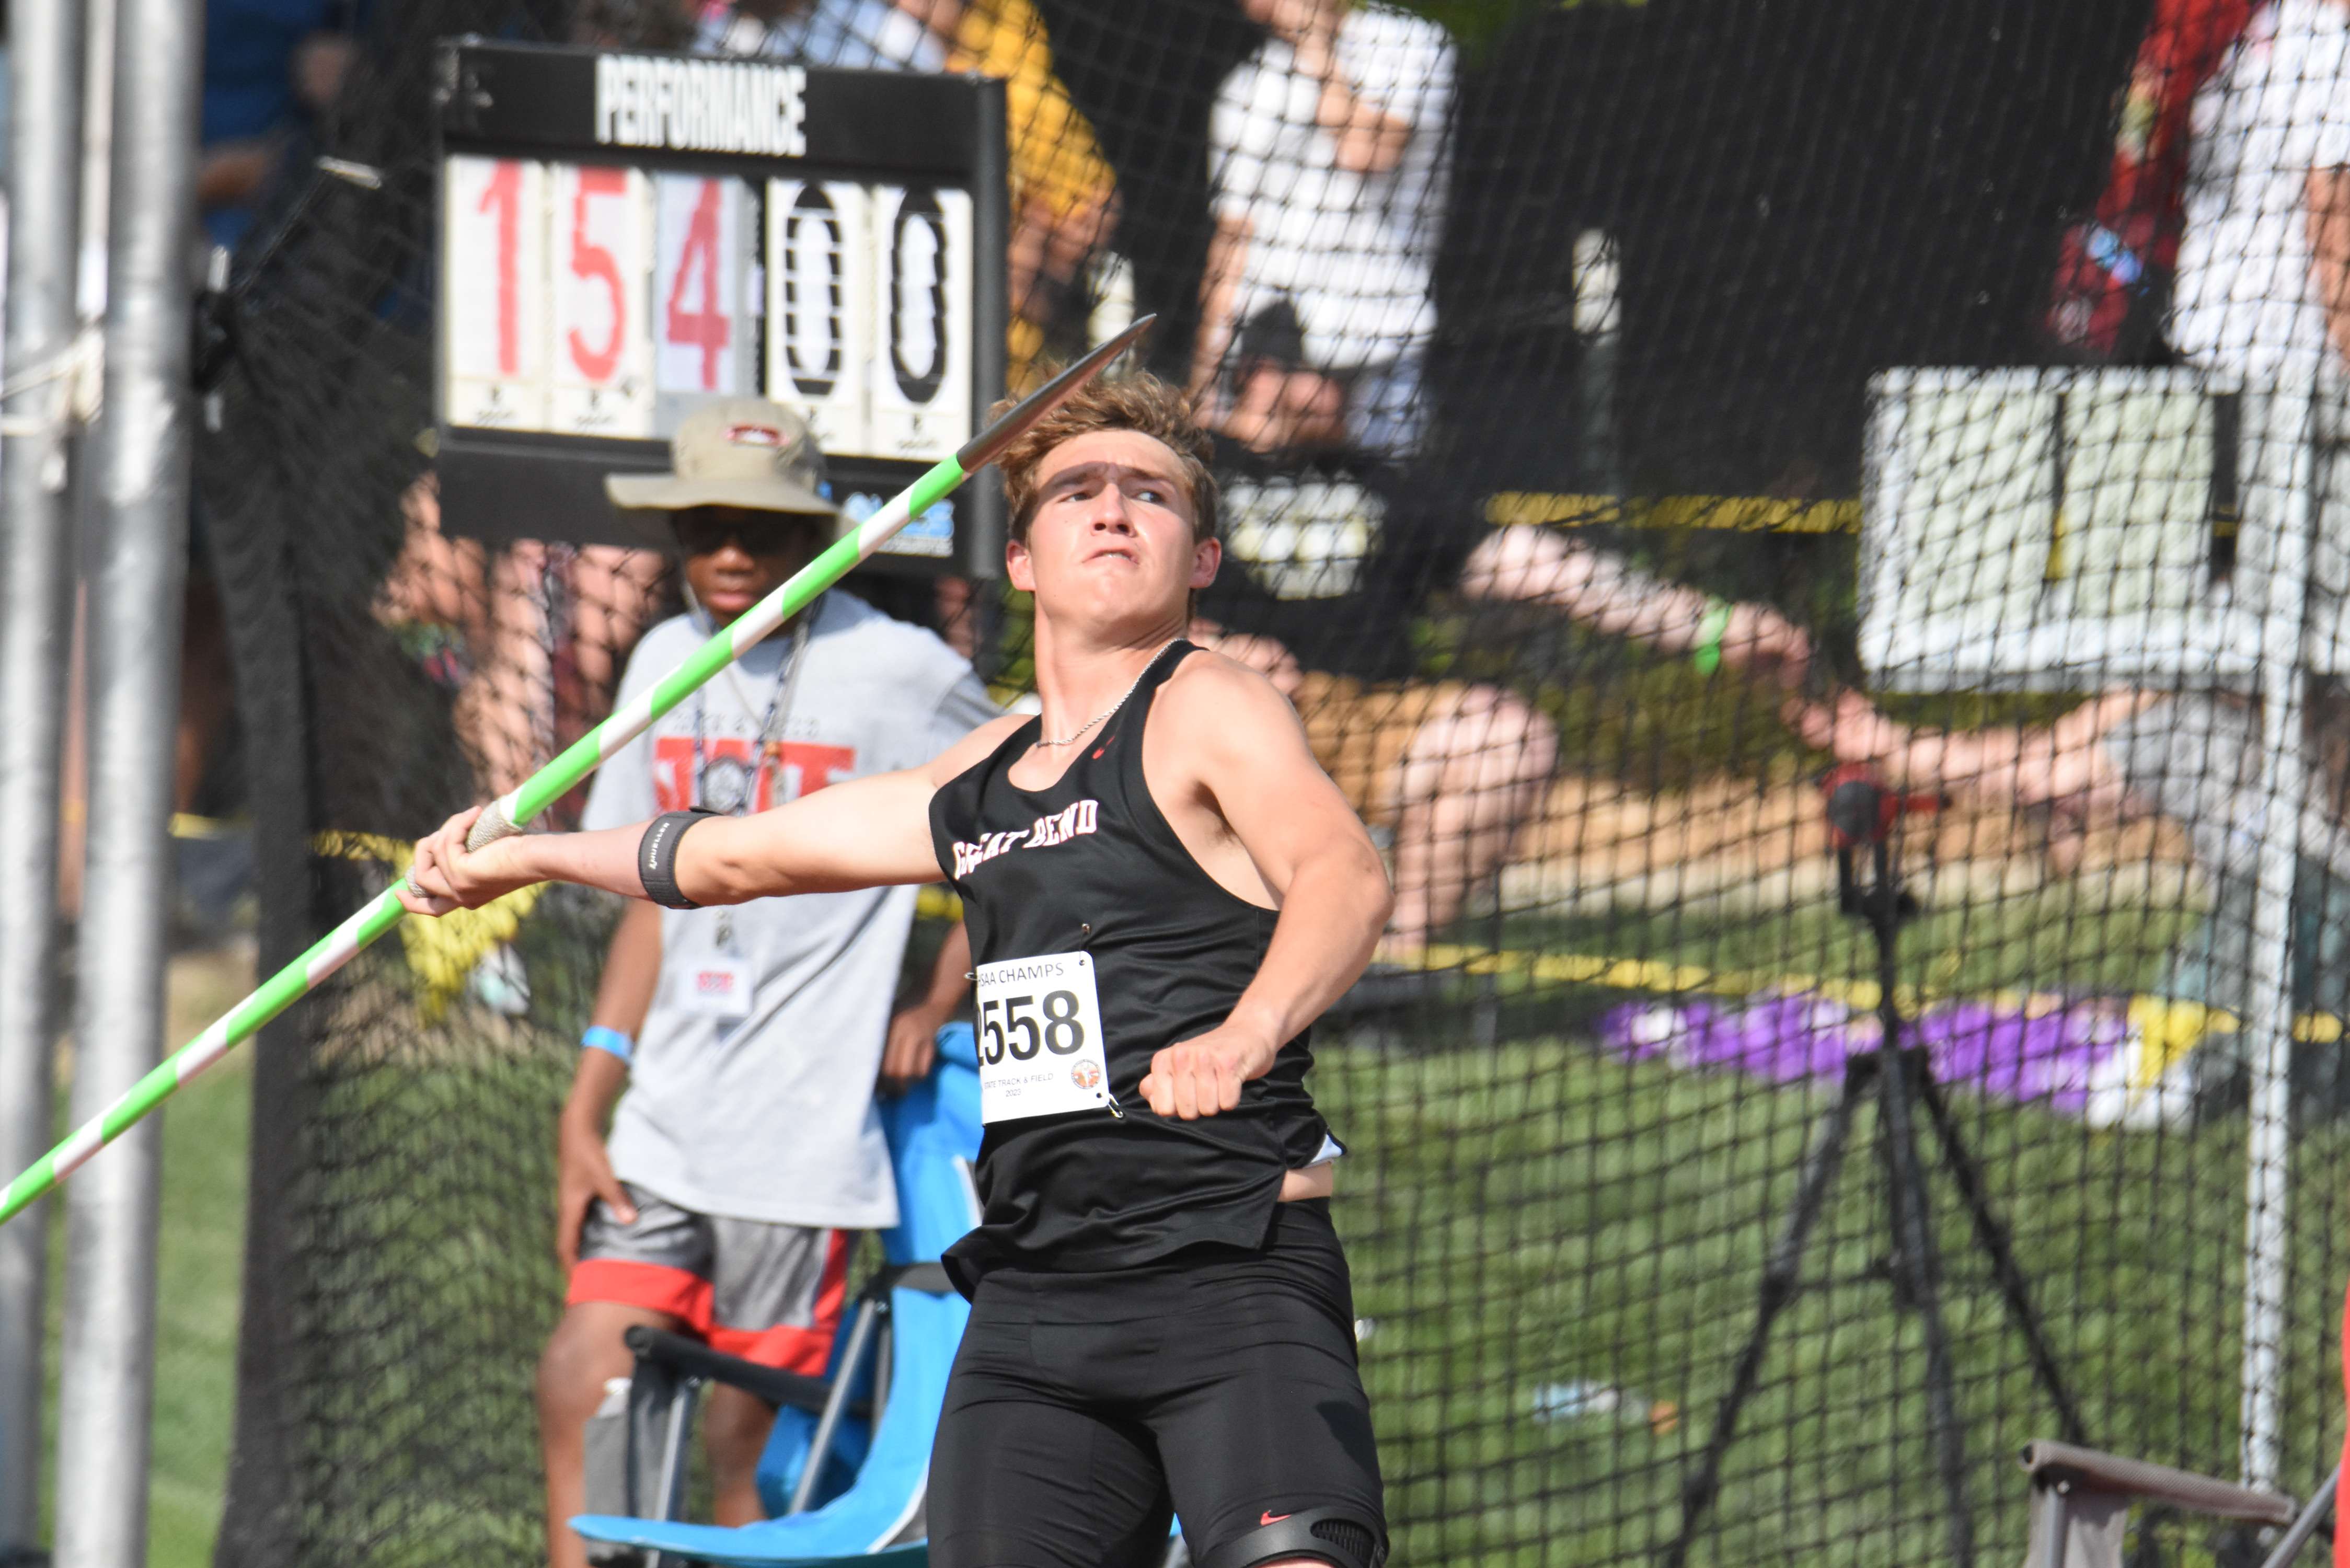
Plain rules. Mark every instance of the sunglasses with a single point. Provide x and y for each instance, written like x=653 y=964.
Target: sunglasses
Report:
x=707 y=532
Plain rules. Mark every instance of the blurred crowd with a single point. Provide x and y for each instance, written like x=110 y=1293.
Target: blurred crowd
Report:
x=1329 y=158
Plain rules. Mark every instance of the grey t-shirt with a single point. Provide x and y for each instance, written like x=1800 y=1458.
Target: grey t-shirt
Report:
x=2196 y=758
x=771 y=1117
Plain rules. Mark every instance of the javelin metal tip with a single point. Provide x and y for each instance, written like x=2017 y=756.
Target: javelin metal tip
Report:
x=983 y=448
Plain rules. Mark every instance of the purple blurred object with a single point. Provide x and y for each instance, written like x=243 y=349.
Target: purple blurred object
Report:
x=2050 y=1056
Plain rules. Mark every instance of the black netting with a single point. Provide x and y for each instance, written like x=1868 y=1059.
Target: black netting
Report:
x=1628 y=413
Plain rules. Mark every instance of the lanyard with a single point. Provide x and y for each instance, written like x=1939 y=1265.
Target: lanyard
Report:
x=742 y=778
x=745 y=776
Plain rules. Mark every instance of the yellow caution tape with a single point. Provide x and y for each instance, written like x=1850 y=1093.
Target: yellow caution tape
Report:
x=442 y=954
x=1734 y=513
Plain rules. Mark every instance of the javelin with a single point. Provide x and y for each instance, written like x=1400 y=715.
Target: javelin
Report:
x=509 y=811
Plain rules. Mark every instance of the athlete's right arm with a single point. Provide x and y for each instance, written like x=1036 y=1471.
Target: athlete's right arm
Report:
x=868 y=833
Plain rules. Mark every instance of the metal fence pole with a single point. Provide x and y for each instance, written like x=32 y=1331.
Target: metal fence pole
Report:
x=2290 y=469
x=45 y=62
x=96 y=151
x=136 y=578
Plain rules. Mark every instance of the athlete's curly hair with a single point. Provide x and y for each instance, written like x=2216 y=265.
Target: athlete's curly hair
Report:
x=1138 y=402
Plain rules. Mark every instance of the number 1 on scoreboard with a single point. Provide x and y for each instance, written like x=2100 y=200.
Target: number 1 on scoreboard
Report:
x=494 y=283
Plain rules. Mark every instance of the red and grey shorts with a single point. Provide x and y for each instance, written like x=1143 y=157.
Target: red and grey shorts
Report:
x=768 y=1293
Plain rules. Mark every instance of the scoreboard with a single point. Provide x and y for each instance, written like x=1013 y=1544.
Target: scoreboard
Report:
x=624 y=238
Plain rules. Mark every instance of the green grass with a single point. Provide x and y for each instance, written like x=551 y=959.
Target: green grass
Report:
x=1536 y=1214
x=1518 y=1216
x=206 y=1128
x=2053 y=940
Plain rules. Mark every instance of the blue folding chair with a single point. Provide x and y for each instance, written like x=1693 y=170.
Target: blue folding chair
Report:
x=846 y=1470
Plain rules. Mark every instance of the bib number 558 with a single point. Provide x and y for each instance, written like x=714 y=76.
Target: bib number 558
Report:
x=1008 y=1026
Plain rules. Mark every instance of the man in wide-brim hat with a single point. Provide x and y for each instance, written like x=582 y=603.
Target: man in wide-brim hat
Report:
x=745 y=1148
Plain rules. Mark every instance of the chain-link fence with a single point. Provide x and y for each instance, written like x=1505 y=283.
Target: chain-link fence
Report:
x=1628 y=413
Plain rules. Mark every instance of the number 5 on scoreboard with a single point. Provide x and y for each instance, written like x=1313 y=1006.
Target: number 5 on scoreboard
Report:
x=820 y=271
x=602 y=378
x=493 y=287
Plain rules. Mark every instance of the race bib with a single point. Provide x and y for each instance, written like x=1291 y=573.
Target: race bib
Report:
x=1040 y=1038
x=719 y=986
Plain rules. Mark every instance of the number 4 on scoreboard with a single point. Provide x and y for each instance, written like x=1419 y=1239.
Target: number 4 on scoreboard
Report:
x=704 y=345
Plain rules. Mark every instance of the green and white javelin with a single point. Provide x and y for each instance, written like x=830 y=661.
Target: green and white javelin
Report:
x=509 y=812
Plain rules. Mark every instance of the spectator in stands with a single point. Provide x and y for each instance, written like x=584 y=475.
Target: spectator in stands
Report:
x=2194 y=757
x=2262 y=293
x=1327 y=563
x=2264 y=281
x=2114 y=267
x=858 y=35
x=493 y=626
x=269 y=66
x=749 y=1040
x=1063 y=196
x=1327 y=158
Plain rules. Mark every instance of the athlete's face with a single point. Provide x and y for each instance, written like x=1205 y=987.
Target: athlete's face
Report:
x=1112 y=539
x=736 y=557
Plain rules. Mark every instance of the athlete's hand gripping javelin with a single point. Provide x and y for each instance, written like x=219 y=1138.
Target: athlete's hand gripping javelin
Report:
x=1111 y=554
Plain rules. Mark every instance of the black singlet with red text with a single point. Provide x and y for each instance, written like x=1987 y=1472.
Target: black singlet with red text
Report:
x=1172 y=950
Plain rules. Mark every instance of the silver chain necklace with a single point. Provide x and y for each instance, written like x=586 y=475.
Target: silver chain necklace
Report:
x=727 y=784
x=1074 y=736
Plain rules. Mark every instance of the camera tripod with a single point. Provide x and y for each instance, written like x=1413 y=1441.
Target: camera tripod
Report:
x=1900 y=1080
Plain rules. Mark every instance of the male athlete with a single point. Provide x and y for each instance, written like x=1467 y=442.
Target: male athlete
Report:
x=1164 y=890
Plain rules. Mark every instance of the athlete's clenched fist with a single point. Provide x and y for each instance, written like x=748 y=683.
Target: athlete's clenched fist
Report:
x=444 y=876
x=1199 y=1076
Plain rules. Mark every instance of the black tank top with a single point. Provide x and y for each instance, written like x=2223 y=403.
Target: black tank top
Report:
x=1172 y=950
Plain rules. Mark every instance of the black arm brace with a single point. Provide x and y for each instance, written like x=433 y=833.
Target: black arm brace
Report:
x=1338 y=1536
x=657 y=857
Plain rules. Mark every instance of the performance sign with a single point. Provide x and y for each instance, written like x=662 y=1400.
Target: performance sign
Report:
x=625 y=237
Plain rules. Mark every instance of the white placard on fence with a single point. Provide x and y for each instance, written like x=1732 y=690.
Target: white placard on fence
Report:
x=2051 y=530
